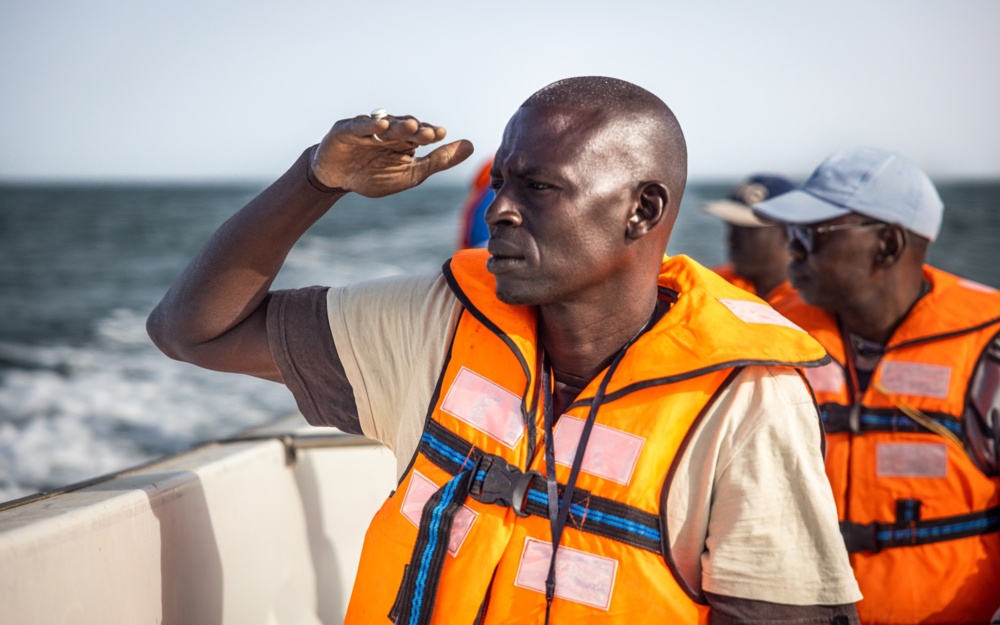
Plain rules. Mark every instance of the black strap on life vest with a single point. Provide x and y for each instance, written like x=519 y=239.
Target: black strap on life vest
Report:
x=840 y=418
x=560 y=504
x=496 y=481
x=909 y=530
x=415 y=601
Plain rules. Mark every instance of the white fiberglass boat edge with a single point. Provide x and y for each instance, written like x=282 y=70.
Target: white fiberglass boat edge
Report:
x=266 y=529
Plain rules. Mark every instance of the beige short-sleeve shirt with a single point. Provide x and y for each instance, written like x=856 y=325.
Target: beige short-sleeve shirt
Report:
x=750 y=512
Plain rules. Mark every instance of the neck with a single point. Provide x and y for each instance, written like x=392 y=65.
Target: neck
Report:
x=878 y=316
x=581 y=341
x=765 y=284
x=764 y=273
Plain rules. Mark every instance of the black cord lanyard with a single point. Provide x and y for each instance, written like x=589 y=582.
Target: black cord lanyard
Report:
x=559 y=514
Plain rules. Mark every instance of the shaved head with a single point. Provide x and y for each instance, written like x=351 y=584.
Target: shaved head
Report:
x=588 y=178
x=643 y=124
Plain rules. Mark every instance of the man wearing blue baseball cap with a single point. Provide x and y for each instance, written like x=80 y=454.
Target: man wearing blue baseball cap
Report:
x=911 y=403
x=758 y=254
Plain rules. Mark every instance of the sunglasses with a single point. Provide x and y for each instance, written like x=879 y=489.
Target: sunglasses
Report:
x=805 y=235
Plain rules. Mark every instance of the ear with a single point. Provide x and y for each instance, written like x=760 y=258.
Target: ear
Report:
x=651 y=206
x=892 y=244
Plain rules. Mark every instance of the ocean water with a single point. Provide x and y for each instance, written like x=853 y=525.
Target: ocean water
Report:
x=83 y=391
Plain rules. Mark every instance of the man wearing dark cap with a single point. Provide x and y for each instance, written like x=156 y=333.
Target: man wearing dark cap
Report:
x=586 y=430
x=911 y=403
x=758 y=250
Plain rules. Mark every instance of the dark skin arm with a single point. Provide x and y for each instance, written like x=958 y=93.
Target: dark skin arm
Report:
x=214 y=315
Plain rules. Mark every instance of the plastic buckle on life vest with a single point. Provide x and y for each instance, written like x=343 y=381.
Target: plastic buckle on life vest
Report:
x=502 y=484
x=854 y=419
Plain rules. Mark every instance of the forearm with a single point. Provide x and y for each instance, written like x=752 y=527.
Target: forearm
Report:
x=225 y=286
x=215 y=314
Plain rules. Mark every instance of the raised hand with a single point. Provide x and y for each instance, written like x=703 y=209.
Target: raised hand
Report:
x=374 y=155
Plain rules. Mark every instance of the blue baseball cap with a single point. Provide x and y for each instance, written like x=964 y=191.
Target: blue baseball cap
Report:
x=735 y=209
x=869 y=181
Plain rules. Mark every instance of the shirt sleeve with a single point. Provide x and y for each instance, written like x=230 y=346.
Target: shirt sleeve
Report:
x=298 y=331
x=365 y=358
x=392 y=336
x=750 y=511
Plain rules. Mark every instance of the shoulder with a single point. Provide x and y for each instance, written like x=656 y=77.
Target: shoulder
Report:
x=762 y=392
x=764 y=406
x=393 y=291
x=392 y=317
x=957 y=296
x=953 y=309
x=396 y=304
x=730 y=325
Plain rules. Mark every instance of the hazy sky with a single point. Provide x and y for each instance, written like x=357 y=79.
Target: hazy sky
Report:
x=126 y=90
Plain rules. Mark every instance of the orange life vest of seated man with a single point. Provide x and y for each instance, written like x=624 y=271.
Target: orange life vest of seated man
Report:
x=921 y=521
x=467 y=533
x=776 y=297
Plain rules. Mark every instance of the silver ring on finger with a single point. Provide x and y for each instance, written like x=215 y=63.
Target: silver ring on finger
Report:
x=378 y=114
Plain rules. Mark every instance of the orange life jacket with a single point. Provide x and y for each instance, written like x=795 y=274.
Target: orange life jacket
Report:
x=440 y=552
x=776 y=297
x=920 y=519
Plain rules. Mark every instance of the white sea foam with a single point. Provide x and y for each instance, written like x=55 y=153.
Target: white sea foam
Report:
x=67 y=414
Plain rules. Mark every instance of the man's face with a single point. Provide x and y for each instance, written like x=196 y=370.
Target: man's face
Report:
x=838 y=272
x=757 y=251
x=557 y=225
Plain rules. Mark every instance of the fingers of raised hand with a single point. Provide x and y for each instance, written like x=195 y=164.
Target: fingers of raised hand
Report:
x=416 y=132
x=405 y=131
x=361 y=126
x=444 y=157
x=409 y=130
x=374 y=155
